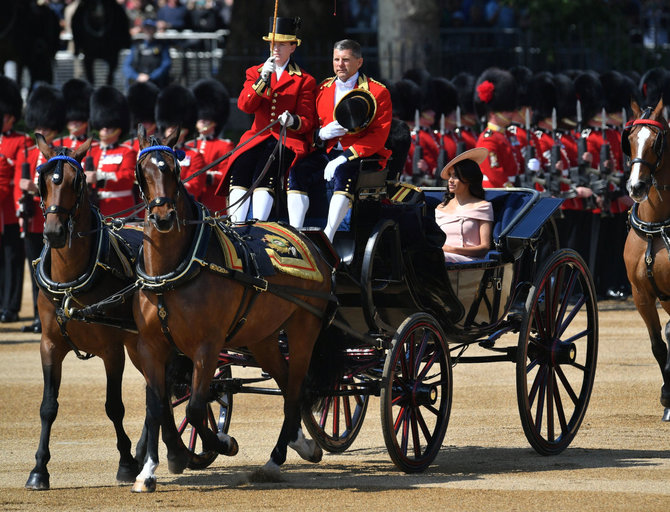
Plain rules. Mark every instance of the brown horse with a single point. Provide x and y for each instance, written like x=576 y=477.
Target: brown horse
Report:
x=194 y=300
x=646 y=252
x=83 y=263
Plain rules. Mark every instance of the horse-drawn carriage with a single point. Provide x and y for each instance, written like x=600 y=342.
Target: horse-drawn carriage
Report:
x=390 y=317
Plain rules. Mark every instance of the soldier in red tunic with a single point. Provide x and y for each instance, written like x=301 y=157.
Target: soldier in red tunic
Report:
x=276 y=90
x=175 y=108
x=347 y=148
x=113 y=173
x=213 y=103
x=12 y=145
x=495 y=95
x=77 y=95
x=468 y=129
x=45 y=114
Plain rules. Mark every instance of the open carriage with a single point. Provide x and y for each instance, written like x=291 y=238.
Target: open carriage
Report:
x=404 y=319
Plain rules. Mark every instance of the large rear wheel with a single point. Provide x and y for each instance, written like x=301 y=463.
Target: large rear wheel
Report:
x=557 y=353
x=416 y=393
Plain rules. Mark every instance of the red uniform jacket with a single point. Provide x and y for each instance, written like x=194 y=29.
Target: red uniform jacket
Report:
x=569 y=144
x=211 y=150
x=34 y=159
x=294 y=92
x=69 y=142
x=501 y=165
x=115 y=195
x=190 y=164
x=12 y=144
x=546 y=142
x=430 y=153
x=594 y=142
x=372 y=139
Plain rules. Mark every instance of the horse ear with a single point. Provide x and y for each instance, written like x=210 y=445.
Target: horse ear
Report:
x=142 y=136
x=42 y=143
x=173 y=138
x=658 y=109
x=82 y=150
x=635 y=108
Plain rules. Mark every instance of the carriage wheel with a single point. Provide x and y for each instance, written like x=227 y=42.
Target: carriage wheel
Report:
x=181 y=393
x=416 y=393
x=557 y=352
x=335 y=423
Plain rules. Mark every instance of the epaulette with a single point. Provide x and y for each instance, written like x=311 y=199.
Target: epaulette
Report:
x=328 y=82
x=293 y=69
x=376 y=82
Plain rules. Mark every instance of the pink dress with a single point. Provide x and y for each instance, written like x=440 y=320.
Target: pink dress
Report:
x=462 y=227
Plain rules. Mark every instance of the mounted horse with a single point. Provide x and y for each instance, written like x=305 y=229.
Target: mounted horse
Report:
x=84 y=262
x=207 y=287
x=647 y=249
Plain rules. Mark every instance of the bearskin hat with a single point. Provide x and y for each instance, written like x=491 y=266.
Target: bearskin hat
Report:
x=109 y=109
x=522 y=75
x=618 y=89
x=542 y=95
x=45 y=108
x=590 y=94
x=654 y=85
x=441 y=96
x=176 y=106
x=11 y=101
x=77 y=95
x=405 y=98
x=566 y=99
x=419 y=76
x=465 y=87
x=495 y=91
x=212 y=100
x=142 y=102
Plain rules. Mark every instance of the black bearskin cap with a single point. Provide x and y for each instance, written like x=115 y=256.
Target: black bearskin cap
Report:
x=618 y=89
x=465 y=87
x=77 y=95
x=495 y=91
x=109 y=109
x=566 y=99
x=212 y=100
x=45 y=108
x=542 y=95
x=405 y=98
x=441 y=96
x=142 y=102
x=654 y=84
x=522 y=76
x=176 y=106
x=590 y=94
x=11 y=101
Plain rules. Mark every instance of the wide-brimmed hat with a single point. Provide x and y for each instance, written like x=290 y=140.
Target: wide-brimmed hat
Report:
x=477 y=155
x=355 y=110
x=285 y=32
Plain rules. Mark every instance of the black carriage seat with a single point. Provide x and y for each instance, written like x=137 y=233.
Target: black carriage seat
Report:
x=509 y=208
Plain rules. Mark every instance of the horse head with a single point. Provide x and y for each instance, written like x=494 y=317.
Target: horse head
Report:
x=158 y=175
x=62 y=186
x=643 y=140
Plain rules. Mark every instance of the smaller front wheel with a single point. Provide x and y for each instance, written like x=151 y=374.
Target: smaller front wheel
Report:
x=416 y=393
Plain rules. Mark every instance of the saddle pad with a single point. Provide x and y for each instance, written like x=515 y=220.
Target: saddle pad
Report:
x=277 y=248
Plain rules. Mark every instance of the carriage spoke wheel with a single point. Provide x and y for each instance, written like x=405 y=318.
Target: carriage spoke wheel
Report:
x=218 y=414
x=416 y=393
x=336 y=421
x=557 y=353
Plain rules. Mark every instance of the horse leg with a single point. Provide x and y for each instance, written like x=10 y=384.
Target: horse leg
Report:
x=665 y=369
x=52 y=366
x=114 y=366
x=203 y=369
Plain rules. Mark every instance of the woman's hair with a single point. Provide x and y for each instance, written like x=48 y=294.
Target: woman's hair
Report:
x=468 y=172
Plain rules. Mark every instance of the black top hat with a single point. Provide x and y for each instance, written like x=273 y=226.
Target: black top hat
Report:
x=285 y=31
x=77 y=95
x=45 y=108
x=176 y=106
x=142 y=102
x=495 y=91
x=355 y=110
x=405 y=98
x=11 y=101
x=109 y=109
x=212 y=100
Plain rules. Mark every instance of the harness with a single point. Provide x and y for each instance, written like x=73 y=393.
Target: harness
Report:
x=651 y=230
x=658 y=146
x=64 y=294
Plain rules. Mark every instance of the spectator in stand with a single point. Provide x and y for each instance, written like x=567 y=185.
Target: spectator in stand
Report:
x=205 y=15
x=172 y=16
x=148 y=60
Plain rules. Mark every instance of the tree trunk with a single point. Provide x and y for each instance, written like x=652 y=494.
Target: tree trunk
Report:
x=409 y=35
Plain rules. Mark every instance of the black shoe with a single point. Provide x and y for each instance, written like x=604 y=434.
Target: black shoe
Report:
x=9 y=317
x=35 y=327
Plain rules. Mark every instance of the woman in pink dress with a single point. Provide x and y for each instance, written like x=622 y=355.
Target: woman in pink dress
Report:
x=464 y=215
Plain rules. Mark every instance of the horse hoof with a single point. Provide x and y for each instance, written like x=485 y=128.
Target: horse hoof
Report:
x=269 y=473
x=144 y=485
x=177 y=464
x=38 y=482
x=317 y=455
x=232 y=446
x=666 y=414
x=127 y=472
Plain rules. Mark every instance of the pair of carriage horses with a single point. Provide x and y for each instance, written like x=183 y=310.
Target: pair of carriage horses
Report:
x=204 y=313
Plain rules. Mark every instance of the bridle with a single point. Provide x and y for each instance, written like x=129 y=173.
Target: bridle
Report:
x=177 y=155
x=658 y=146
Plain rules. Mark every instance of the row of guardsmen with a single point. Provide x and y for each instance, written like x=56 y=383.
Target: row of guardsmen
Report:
x=66 y=117
x=559 y=133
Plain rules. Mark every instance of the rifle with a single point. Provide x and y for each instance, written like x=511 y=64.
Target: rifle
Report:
x=525 y=178
x=26 y=209
x=442 y=155
x=418 y=150
x=460 y=144
x=601 y=186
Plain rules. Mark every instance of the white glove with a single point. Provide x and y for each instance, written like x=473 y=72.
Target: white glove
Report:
x=332 y=130
x=286 y=119
x=329 y=171
x=268 y=68
x=102 y=175
x=533 y=165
